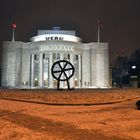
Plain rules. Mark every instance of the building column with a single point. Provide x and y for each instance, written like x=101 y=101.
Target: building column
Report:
x=32 y=70
x=40 y=70
x=62 y=82
x=50 y=66
x=71 y=81
x=80 y=71
x=93 y=64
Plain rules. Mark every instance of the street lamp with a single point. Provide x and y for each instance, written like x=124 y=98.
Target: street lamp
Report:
x=133 y=67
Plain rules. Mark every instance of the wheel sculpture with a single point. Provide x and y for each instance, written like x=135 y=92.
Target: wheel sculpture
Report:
x=62 y=70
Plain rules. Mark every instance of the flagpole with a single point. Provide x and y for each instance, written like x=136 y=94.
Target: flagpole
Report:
x=99 y=26
x=13 y=31
x=98 y=34
x=13 y=35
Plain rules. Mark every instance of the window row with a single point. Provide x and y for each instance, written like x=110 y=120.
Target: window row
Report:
x=56 y=56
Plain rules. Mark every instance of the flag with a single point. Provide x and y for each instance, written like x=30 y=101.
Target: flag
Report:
x=14 y=25
x=99 y=24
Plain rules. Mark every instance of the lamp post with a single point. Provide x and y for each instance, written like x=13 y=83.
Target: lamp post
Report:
x=134 y=76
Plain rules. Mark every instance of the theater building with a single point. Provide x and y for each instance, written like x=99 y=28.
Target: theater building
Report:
x=28 y=65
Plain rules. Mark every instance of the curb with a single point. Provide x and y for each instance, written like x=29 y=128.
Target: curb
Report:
x=68 y=104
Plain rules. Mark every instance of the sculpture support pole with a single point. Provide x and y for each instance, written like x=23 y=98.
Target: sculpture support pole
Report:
x=68 y=84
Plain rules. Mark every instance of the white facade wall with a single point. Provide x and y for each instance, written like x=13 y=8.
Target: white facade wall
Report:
x=86 y=67
x=99 y=65
x=25 y=66
x=11 y=64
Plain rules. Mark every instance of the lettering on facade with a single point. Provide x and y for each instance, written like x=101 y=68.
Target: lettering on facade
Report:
x=54 y=38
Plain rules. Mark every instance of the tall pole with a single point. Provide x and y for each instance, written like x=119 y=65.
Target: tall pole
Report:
x=99 y=25
x=13 y=31
x=13 y=35
x=98 y=34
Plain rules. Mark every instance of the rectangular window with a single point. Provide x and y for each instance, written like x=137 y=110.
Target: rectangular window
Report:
x=43 y=56
x=56 y=56
x=36 y=56
x=46 y=72
x=76 y=57
x=65 y=56
x=68 y=56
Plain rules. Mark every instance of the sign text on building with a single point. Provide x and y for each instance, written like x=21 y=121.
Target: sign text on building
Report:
x=54 y=38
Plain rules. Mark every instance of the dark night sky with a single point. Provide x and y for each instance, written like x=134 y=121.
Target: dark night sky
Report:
x=120 y=19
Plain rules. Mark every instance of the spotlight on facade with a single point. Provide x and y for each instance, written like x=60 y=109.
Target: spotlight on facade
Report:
x=36 y=79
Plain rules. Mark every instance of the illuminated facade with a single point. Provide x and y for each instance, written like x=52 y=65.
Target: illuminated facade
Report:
x=28 y=65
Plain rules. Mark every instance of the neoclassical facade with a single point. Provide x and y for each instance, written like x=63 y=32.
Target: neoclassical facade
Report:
x=28 y=65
